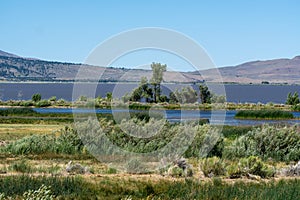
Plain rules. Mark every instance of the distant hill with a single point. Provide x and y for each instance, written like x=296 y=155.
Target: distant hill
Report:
x=273 y=71
x=3 y=53
x=15 y=68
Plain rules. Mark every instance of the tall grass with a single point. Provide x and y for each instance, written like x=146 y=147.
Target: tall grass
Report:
x=17 y=111
x=264 y=114
x=117 y=188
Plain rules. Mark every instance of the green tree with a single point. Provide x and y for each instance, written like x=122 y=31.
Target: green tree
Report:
x=218 y=98
x=36 y=97
x=189 y=95
x=292 y=99
x=83 y=98
x=53 y=98
x=142 y=91
x=136 y=94
x=173 y=98
x=157 y=77
x=205 y=94
x=147 y=91
x=109 y=96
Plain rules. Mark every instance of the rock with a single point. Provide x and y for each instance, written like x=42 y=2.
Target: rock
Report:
x=76 y=169
x=187 y=169
x=181 y=163
x=180 y=168
x=291 y=170
x=210 y=175
x=253 y=177
x=2 y=143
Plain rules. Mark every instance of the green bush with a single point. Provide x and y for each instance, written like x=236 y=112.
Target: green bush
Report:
x=36 y=97
x=212 y=167
x=254 y=165
x=208 y=141
x=67 y=142
x=27 y=103
x=34 y=144
x=279 y=143
x=135 y=166
x=43 y=103
x=175 y=171
x=296 y=107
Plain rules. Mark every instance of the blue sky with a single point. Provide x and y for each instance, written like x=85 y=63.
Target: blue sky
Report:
x=232 y=32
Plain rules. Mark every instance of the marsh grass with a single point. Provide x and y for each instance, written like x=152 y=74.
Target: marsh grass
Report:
x=264 y=114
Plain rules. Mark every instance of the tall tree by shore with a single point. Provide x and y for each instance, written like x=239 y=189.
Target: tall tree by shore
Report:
x=157 y=69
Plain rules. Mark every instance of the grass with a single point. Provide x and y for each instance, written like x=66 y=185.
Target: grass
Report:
x=24 y=173
x=122 y=188
x=264 y=114
x=9 y=132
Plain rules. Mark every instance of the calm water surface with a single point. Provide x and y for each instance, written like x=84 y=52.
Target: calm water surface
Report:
x=215 y=117
x=234 y=93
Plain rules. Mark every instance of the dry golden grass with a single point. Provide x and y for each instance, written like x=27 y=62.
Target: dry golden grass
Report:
x=9 y=132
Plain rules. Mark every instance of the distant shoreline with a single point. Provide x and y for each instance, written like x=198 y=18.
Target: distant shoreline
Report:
x=136 y=82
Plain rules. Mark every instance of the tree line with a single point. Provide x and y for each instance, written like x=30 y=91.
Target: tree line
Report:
x=150 y=91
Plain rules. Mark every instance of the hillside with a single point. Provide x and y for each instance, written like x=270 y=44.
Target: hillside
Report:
x=275 y=71
x=15 y=68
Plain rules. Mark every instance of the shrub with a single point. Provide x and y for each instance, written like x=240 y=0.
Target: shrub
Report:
x=254 y=165
x=296 y=107
x=34 y=144
x=175 y=171
x=111 y=171
x=207 y=141
x=212 y=167
x=235 y=170
x=67 y=142
x=251 y=165
x=27 y=103
x=292 y=99
x=43 y=103
x=135 y=166
x=36 y=97
x=279 y=143
x=53 y=98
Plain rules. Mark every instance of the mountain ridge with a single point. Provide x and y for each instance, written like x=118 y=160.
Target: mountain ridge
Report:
x=16 y=68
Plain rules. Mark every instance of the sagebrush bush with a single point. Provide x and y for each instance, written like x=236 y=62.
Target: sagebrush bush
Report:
x=254 y=165
x=34 y=144
x=212 y=167
x=67 y=142
x=278 y=143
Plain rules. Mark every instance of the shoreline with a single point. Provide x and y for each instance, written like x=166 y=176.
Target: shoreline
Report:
x=136 y=82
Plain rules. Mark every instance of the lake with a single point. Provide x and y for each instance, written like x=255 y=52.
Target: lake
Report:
x=218 y=117
x=234 y=92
